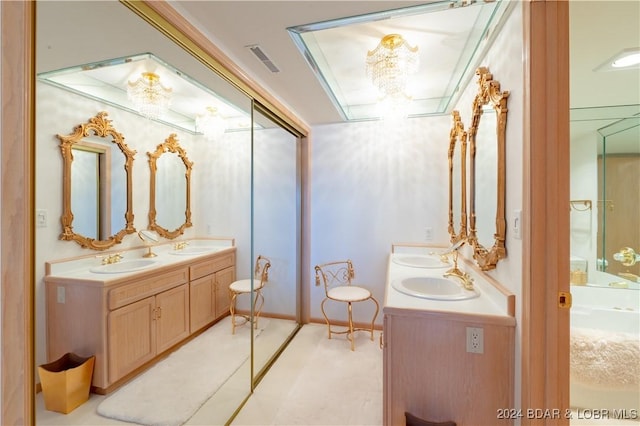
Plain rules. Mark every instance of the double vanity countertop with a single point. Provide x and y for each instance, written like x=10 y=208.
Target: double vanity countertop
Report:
x=89 y=270
x=494 y=303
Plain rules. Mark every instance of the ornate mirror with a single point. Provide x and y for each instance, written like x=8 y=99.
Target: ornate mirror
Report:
x=487 y=169
x=170 y=197
x=97 y=189
x=457 y=180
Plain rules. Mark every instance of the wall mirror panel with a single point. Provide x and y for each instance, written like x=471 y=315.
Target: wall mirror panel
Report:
x=96 y=184
x=487 y=133
x=604 y=206
x=276 y=221
x=619 y=200
x=170 y=189
x=457 y=180
x=220 y=196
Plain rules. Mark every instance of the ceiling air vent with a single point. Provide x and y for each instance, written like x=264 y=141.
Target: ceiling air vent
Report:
x=257 y=50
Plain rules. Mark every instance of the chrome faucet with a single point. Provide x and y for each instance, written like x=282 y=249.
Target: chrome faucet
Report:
x=111 y=258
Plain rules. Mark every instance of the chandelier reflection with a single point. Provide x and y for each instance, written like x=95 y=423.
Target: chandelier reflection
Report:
x=389 y=66
x=211 y=124
x=149 y=97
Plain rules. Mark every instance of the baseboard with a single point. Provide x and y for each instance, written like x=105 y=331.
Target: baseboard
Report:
x=345 y=324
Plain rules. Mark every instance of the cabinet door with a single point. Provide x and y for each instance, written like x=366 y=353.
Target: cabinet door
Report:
x=224 y=278
x=132 y=337
x=202 y=302
x=172 y=317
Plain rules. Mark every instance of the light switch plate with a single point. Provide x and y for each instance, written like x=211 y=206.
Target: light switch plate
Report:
x=41 y=218
x=517 y=224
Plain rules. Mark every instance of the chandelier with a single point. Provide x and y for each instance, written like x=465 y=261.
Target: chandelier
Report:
x=389 y=66
x=149 y=96
x=211 y=124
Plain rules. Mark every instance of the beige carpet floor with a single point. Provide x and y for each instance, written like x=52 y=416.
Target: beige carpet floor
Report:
x=294 y=391
x=318 y=381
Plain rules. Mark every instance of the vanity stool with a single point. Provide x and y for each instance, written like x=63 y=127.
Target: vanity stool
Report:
x=337 y=278
x=236 y=288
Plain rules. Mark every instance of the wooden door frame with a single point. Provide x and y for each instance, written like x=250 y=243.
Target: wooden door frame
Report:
x=545 y=263
x=18 y=189
x=544 y=327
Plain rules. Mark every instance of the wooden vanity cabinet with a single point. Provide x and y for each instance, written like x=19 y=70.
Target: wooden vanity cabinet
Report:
x=209 y=289
x=429 y=373
x=141 y=330
x=127 y=323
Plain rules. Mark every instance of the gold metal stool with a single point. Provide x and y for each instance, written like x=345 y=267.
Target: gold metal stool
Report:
x=337 y=278
x=261 y=276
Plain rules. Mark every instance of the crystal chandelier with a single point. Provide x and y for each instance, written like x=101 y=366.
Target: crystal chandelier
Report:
x=211 y=124
x=389 y=66
x=149 y=96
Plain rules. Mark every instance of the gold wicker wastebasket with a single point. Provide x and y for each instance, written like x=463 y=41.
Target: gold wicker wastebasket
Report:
x=66 y=382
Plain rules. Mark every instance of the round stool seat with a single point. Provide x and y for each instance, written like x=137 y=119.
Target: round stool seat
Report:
x=349 y=293
x=244 y=286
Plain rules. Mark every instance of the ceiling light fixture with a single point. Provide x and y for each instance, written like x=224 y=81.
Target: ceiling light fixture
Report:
x=211 y=124
x=623 y=60
x=149 y=97
x=627 y=60
x=389 y=66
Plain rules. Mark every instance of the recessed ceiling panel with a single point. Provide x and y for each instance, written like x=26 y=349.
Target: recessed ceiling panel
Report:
x=107 y=82
x=450 y=37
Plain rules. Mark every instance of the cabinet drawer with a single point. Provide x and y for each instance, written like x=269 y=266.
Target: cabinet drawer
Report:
x=207 y=267
x=144 y=287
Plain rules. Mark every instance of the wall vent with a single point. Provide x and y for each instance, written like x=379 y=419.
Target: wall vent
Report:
x=257 y=50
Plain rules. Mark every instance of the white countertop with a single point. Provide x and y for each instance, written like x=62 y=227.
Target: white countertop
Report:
x=79 y=269
x=491 y=301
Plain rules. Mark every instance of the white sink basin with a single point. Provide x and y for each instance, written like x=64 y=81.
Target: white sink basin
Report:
x=434 y=288
x=420 y=261
x=187 y=251
x=124 y=266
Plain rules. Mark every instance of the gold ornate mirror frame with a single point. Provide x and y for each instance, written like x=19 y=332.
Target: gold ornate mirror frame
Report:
x=458 y=139
x=489 y=94
x=96 y=126
x=170 y=145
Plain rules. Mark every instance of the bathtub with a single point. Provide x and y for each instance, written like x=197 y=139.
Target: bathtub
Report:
x=605 y=348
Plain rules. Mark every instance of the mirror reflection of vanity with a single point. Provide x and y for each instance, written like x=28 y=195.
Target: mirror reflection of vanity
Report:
x=97 y=184
x=170 y=189
x=215 y=201
x=457 y=180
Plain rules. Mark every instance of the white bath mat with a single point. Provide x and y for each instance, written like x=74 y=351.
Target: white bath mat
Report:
x=170 y=392
x=605 y=359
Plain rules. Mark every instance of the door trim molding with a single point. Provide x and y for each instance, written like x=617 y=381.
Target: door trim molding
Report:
x=16 y=263
x=545 y=327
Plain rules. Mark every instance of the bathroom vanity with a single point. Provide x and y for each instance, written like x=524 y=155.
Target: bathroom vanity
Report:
x=448 y=353
x=128 y=314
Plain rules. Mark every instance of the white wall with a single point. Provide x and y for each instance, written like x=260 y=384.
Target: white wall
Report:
x=584 y=186
x=374 y=184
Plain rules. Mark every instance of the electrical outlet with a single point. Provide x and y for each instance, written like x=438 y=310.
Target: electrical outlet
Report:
x=428 y=233
x=475 y=340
